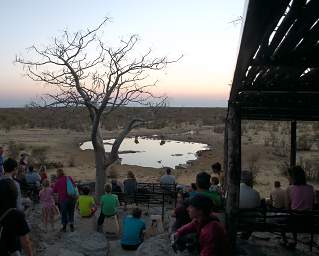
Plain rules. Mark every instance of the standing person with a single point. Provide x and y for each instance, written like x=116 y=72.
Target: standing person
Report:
x=133 y=230
x=24 y=160
x=278 y=196
x=109 y=205
x=49 y=210
x=168 y=178
x=1 y=161
x=32 y=177
x=217 y=169
x=43 y=173
x=203 y=185
x=14 y=228
x=130 y=183
x=66 y=202
x=210 y=232
x=10 y=167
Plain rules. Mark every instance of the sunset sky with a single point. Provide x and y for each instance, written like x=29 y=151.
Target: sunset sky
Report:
x=200 y=30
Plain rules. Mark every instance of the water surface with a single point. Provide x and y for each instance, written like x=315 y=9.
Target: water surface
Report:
x=149 y=152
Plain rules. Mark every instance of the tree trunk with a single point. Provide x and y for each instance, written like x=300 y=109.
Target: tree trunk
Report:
x=99 y=154
x=233 y=124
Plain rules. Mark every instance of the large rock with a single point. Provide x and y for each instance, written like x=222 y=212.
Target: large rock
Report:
x=86 y=244
x=158 y=246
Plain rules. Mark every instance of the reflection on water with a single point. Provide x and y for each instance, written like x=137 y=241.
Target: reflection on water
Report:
x=150 y=153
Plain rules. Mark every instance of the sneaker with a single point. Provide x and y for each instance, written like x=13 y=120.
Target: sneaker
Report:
x=71 y=227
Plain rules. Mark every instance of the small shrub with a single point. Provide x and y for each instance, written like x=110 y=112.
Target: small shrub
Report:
x=40 y=154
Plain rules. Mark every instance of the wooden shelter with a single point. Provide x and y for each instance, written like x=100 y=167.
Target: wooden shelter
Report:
x=276 y=78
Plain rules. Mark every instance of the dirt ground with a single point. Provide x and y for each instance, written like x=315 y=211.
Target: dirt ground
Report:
x=63 y=147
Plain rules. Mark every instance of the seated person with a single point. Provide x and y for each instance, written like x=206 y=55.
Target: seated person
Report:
x=203 y=185
x=168 y=178
x=248 y=198
x=215 y=185
x=180 y=212
x=301 y=197
x=210 y=232
x=109 y=205
x=193 y=190
x=115 y=186
x=278 y=196
x=86 y=204
x=133 y=228
x=130 y=183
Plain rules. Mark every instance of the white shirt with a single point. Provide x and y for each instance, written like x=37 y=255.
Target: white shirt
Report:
x=168 y=179
x=248 y=197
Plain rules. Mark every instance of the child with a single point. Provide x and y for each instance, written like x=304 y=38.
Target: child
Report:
x=49 y=210
x=109 y=205
x=133 y=230
x=215 y=185
x=86 y=203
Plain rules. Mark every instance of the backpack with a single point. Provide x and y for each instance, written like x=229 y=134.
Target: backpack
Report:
x=3 y=216
x=71 y=190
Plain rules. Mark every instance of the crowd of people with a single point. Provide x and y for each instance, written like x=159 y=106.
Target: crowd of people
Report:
x=197 y=211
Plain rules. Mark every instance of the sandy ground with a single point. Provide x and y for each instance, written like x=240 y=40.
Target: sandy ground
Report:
x=63 y=147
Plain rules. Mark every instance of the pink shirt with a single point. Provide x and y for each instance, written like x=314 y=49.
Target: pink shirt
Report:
x=46 y=197
x=60 y=188
x=301 y=197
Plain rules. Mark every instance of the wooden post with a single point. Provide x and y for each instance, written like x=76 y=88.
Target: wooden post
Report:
x=234 y=170
x=293 y=144
x=225 y=155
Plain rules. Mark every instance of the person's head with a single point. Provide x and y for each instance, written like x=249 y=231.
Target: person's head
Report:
x=168 y=171
x=277 y=184
x=59 y=172
x=8 y=195
x=130 y=175
x=200 y=207
x=137 y=213
x=46 y=183
x=217 y=167
x=10 y=166
x=86 y=190
x=42 y=169
x=108 y=188
x=299 y=176
x=215 y=181
x=247 y=178
x=194 y=187
x=203 y=180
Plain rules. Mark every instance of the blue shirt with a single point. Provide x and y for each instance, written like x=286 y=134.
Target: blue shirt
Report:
x=132 y=229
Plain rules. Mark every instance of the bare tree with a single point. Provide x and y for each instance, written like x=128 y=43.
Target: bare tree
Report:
x=87 y=72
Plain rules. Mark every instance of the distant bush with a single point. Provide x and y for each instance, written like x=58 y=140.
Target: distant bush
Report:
x=39 y=154
x=303 y=143
x=14 y=149
x=219 y=129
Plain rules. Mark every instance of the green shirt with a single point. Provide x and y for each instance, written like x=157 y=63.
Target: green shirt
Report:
x=85 y=203
x=214 y=196
x=109 y=204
